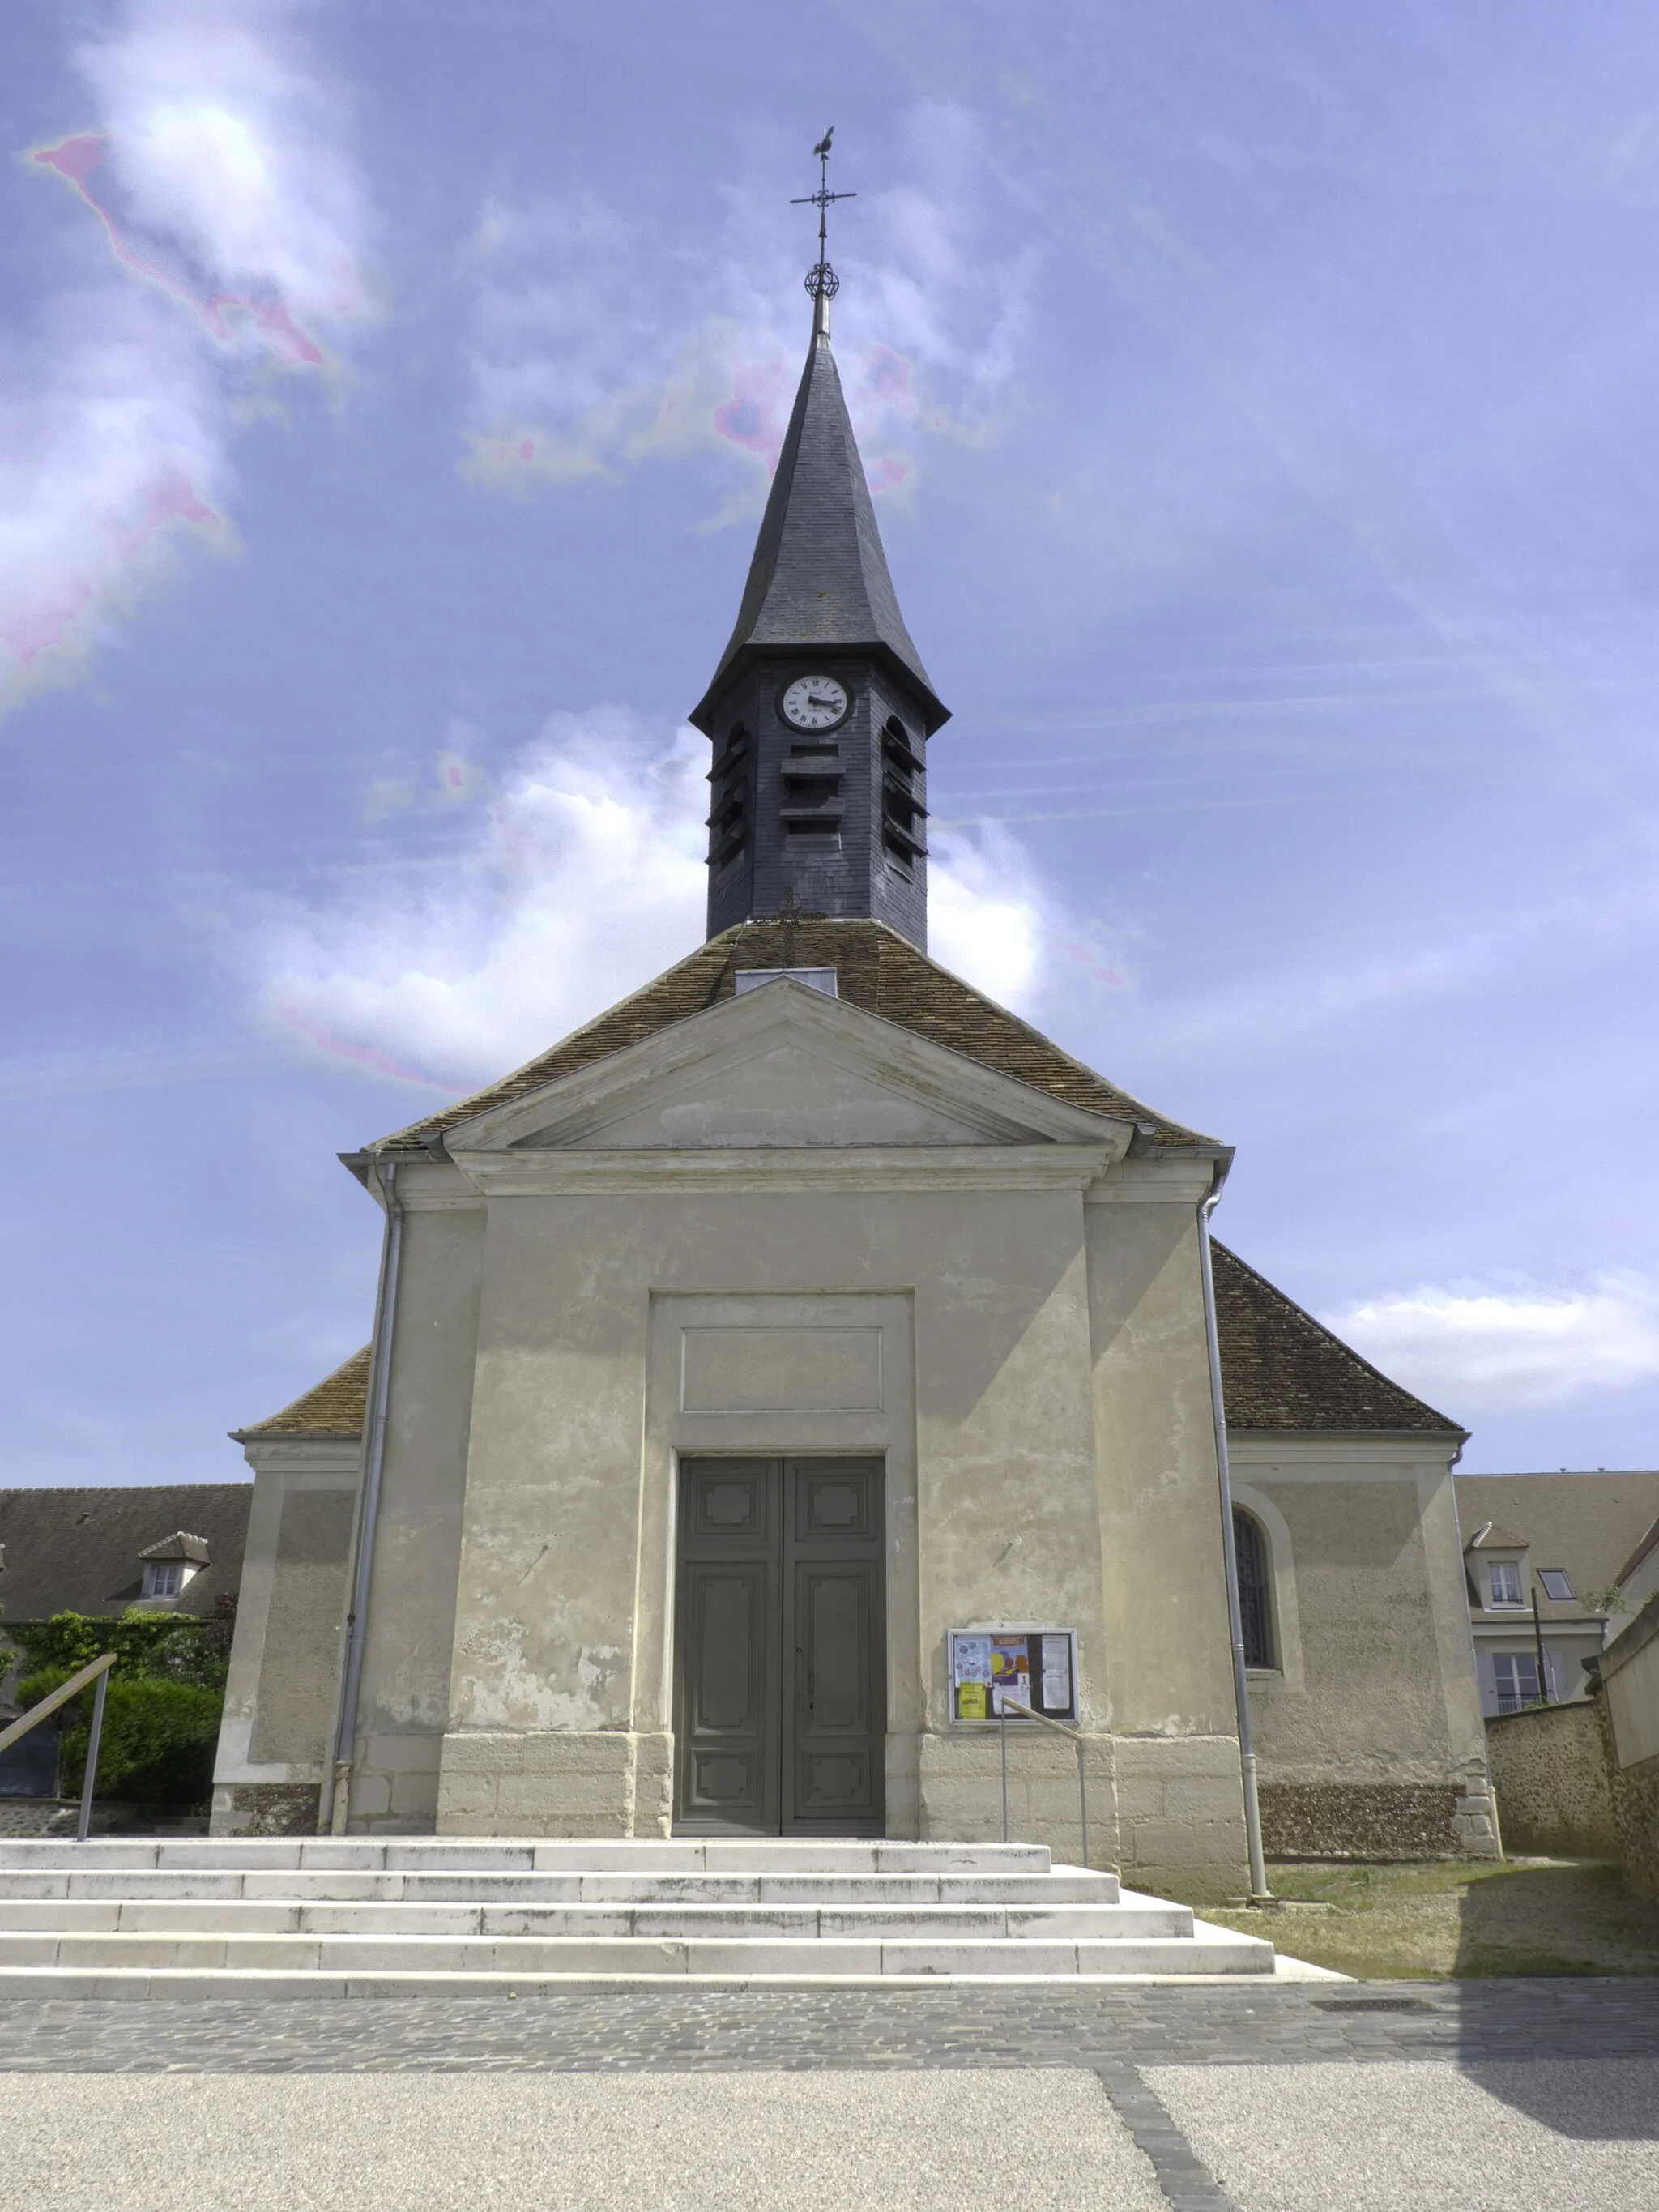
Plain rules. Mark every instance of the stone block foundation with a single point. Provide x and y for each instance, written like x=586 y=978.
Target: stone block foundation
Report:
x=558 y=1783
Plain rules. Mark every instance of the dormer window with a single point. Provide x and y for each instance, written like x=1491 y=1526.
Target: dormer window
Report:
x=1502 y=1581
x=172 y=1565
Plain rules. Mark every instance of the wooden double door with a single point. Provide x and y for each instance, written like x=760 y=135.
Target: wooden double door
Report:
x=780 y=1644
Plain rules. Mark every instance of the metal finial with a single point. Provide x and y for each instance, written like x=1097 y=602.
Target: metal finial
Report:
x=822 y=281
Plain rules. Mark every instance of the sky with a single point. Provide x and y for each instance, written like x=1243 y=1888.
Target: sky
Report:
x=1261 y=411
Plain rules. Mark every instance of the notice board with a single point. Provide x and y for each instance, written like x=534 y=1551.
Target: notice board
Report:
x=1037 y=1666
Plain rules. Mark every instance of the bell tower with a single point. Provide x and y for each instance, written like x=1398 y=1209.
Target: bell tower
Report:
x=820 y=710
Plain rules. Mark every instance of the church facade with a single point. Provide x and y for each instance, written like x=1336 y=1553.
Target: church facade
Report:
x=806 y=1360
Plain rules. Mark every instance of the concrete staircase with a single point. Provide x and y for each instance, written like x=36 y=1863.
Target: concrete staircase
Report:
x=414 y=1916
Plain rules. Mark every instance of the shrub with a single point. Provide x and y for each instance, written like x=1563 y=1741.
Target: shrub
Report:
x=161 y=1646
x=161 y=1713
x=158 y=1740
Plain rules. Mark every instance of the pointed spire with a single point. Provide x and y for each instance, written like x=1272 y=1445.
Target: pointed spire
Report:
x=819 y=575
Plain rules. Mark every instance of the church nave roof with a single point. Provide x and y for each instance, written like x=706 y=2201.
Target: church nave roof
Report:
x=877 y=970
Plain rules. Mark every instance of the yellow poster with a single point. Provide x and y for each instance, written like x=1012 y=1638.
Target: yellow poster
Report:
x=970 y=1701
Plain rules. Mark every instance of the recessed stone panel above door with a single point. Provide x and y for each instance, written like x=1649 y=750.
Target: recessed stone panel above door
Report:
x=781 y=1370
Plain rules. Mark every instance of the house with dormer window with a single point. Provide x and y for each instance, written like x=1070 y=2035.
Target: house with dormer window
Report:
x=1544 y=1556
x=175 y=1546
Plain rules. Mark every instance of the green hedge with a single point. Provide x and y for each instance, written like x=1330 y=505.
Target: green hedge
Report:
x=158 y=1742
x=161 y=1713
x=170 y=1647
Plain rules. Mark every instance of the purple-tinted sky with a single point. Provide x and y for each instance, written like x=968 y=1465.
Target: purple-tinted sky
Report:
x=1260 y=404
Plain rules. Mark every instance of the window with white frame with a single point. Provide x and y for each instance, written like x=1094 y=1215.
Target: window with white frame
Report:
x=1515 y=1678
x=163 y=1578
x=1503 y=1582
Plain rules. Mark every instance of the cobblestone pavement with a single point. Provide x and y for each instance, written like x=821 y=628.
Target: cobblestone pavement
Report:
x=1210 y=2099
x=848 y=2029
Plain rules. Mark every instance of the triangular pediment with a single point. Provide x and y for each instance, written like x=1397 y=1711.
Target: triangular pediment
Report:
x=782 y=1068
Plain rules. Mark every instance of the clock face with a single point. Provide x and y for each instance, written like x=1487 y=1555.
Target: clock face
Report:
x=814 y=702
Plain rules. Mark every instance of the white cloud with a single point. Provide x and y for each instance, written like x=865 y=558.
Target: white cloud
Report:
x=593 y=345
x=234 y=229
x=581 y=877
x=1499 y=1347
x=227 y=145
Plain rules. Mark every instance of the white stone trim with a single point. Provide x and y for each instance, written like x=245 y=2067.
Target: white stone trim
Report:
x=280 y=1464
x=1403 y=1454
x=547 y=1173
x=887 y=1432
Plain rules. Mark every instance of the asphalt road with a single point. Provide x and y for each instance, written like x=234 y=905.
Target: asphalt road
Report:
x=1043 y=2141
x=1578 y=2135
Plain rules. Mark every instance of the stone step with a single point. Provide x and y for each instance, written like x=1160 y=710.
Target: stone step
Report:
x=743 y=1855
x=483 y=1963
x=237 y=1917
x=1064 y=1886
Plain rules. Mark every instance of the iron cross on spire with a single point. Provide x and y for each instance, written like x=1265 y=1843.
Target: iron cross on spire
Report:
x=822 y=281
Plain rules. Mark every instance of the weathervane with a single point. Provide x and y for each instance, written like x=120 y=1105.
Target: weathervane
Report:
x=822 y=281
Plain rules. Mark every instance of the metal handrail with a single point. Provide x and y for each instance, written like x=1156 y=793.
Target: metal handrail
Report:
x=1004 y=1703
x=98 y=1672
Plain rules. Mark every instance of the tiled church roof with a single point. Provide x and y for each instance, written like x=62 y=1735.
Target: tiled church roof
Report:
x=876 y=968
x=332 y=1407
x=1279 y=1370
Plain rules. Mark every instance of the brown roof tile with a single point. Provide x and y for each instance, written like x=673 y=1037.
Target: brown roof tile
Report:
x=1280 y=1369
x=332 y=1407
x=876 y=968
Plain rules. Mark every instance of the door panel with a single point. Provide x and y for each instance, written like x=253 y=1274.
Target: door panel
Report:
x=832 y=1775
x=780 y=1647
x=728 y=1713
x=728 y=1622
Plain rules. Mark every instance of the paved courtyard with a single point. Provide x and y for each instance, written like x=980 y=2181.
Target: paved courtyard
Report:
x=1349 y=2098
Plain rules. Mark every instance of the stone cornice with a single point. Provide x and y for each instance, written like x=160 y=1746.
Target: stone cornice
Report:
x=869 y=1168
x=1306 y=1455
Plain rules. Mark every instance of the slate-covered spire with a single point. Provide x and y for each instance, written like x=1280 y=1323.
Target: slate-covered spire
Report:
x=820 y=709
x=819 y=575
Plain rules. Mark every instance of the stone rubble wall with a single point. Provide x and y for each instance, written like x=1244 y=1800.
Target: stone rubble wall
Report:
x=61 y=1816
x=1550 y=1769
x=266 y=1809
x=1626 y=1703
x=1377 y=1821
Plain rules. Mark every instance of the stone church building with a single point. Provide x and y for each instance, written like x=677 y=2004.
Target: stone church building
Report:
x=805 y=1355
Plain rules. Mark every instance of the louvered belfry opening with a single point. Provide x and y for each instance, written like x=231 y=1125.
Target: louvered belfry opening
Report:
x=820 y=710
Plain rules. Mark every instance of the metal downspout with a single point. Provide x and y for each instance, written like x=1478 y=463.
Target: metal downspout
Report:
x=1260 y=1893
x=332 y=1817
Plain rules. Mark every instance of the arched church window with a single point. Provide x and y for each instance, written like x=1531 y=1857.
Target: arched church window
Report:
x=1255 y=1606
